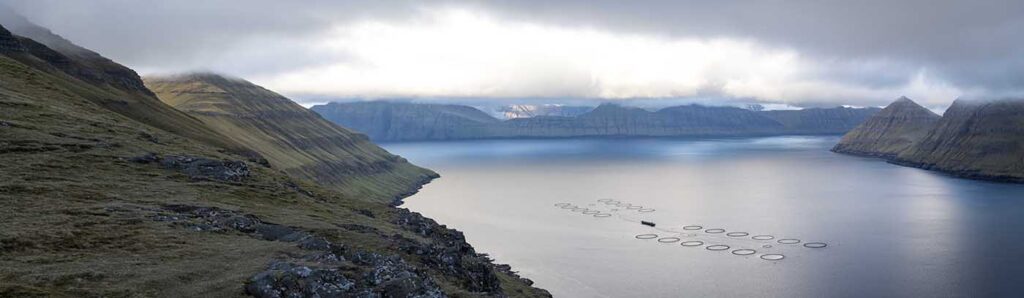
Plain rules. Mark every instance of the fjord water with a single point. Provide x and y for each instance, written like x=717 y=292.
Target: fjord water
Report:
x=891 y=230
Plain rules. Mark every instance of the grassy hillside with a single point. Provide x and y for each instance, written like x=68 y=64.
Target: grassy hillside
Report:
x=97 y=203
x=106 y=83
x=893 y=130
x=975 y=138
x=290 y=137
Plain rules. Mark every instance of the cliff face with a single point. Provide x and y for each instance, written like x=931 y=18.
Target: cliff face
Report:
x=83 y=186
x=527 y=111
x=893 y=130
x=614 y=120
x=822 y=121
x=389 y=121
x=291 y=137
x=981 y=139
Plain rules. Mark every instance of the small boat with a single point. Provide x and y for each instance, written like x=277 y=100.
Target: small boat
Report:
x=647 y=223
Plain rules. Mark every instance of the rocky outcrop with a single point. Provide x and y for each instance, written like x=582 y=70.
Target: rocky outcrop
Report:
x=199 y=168
x=290 y=137
x=394 y=121
x=893 y=130
x=325 y=269
x=980 y=139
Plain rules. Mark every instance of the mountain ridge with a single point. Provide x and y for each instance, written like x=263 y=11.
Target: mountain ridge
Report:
x=893 y=130
x=976 y=139
x=427 y=122
x=290 y=137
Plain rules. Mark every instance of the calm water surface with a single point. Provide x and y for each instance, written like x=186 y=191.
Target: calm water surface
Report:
x=890 y=230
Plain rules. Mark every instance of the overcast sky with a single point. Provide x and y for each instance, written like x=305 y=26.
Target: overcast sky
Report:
x=804 y=53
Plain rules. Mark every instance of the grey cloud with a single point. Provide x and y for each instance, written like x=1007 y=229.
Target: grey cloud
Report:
x=157 y=35
x=972 y=43
x=874 y=43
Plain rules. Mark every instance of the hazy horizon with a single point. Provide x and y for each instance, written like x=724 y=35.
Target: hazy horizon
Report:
x=805 y=55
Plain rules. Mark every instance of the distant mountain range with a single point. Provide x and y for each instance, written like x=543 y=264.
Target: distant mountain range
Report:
x=516 y=111
x=980 y=139
x=403 y=121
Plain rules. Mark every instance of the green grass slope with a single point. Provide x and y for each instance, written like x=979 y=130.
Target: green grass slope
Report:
x=291 y=137
x=95 y=203
x=893 y=130
x=106 y=83
x=975 y=138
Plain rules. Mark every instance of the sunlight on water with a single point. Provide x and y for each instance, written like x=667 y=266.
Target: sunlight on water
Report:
x=779 y=216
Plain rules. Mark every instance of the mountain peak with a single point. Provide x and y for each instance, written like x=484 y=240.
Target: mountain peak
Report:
x=198 y=76
x=906 y=106
x=893 y=130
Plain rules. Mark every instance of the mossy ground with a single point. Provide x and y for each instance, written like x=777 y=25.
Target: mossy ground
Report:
x=69 y=199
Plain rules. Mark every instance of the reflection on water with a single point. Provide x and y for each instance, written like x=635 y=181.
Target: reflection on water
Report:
x=889 y=230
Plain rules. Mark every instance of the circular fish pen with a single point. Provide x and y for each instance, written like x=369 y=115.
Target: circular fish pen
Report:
x=692 y=243
x=744 y=252
x=646 y=236
x=815 y=245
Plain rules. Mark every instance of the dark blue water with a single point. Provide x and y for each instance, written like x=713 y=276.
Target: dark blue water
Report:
x=890 y=231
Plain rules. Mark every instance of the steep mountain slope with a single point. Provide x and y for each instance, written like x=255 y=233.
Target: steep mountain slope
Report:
x=981 y=139
x=399 y=121
x=615 y=120
x=528 y=110
x=821 y=120
x=291 y=137
x=389 y=121
x=98 y=204
x=893 y=130
x=105 y=82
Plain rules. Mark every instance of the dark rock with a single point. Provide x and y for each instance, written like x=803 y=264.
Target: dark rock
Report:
x=449 y=253
x=358 y=228
x=148 y=137
x=315 y=243
x=274 y=232
x=365 y=212
x=296 y=188
x=204 y=168
x=145 y=158
x=260 y=161
x=291 y=280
